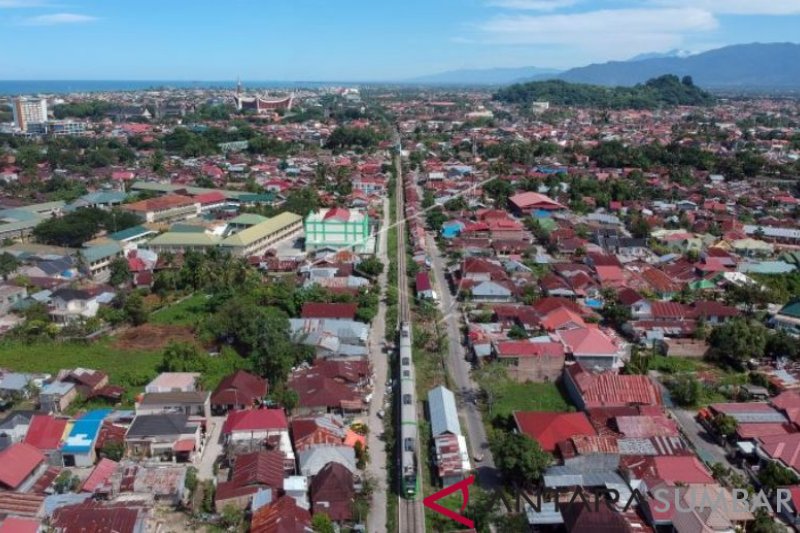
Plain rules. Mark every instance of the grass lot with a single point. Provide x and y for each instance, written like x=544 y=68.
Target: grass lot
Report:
x=131 y=369
x=512 y=396
x=675 y=365
x=186 y=313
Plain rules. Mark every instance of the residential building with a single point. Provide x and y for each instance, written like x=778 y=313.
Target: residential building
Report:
x=29 y=113
x=238 y=391
x=165 y=435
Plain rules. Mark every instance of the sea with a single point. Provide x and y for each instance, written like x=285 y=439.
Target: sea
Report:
x=27 y=87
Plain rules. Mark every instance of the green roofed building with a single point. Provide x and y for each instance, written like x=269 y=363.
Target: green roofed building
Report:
x=338 y=228
x=257 y=239
x=788 y=318
x=253 y=240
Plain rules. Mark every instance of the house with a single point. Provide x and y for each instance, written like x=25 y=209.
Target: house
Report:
x=322 y=430
x=97 y=259
x=341 y=311
x=174 y=382
x=788 y=318
x=46 y=433
x=20 y=464
x=165 y=435
x=531 y=361
x=589 y=389
x=281 y=516
x=257 y=426
x=313 y=460
x=14 y=427
x=423 y=286
x=86 y=380
x=238 y=391
x=105 y=517
x=550 y=429
x=528 y=203
x=491 y=291
x=332 y=492
x=195 y=404
x=78 y=449
x=250 y=474
x=592 y=347
x=56 y=396
x=10 y=295
x=68 y=305
x=451 y=456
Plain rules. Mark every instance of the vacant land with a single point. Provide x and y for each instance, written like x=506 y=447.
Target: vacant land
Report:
x=186 y=313
x=512 y=396
x=50 y=357
x=151 y=337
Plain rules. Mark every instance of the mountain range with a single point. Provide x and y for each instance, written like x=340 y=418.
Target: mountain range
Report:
x=742 y=66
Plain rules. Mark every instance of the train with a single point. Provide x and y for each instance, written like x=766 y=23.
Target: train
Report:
x=409 y=462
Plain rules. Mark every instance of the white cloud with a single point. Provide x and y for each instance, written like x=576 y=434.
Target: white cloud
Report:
x=737 y=7
x=602 y=35
x=533 y=5
x=21 y=3
x=57 y=19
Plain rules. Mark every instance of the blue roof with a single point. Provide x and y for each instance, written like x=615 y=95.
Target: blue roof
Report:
x=84 y=432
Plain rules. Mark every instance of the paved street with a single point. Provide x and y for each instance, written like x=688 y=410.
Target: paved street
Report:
x=459 y=369
x=212 y=449
x=376 y=521
x=707 y=450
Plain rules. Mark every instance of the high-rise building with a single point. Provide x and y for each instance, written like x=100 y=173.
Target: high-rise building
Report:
x=29 y=111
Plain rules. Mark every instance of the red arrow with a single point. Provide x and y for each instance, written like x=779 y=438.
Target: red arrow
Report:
x=463 y=486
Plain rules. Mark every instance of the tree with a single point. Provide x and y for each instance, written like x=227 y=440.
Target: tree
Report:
x=724 y=425
x=183 y=357
x=685 y=390
x=435 y=218
x=781 y=344
x=773 y=475
x=135 y=309
x=120 y=272
x=113 y=450
x=640 y=228
x=638 y=363
x=232 y=517
x=8 y=264
x=321 y=523
x=737 y=341
x=371 y=266
x=517 y=332
x=520 y=458
x=764 y=523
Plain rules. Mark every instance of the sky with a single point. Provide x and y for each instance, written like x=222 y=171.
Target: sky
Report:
x=360 y=40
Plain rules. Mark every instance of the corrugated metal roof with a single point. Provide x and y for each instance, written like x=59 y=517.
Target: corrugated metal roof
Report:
x=444 y=415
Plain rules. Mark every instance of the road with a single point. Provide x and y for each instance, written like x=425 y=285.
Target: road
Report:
x=212 y=449
x=707 y=450
x=459 y=369
x=376 y=520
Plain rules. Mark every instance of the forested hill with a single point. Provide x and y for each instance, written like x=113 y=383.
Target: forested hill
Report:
x=664 y=91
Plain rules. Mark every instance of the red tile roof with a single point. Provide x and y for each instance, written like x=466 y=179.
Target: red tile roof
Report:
x=332 y=492
x=329 y=310
x=281 y=516
x=93 y=517
x=785 y=448
x=251 y=471
x=607 y=389
x=548 y=429
x=587 y=341
x=45 y=432
x=14 y=524
x=162 y=203
x=529 y=349
x=422 y=282
x=530 y=200
x=239 y=388
x=17 y=462
x=100 y=475
x=255 y=420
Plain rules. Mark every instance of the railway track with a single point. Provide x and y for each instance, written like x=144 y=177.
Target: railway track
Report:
x=411 y=515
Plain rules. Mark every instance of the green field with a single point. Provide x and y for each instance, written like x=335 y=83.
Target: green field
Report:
x=512 y=396
x=124 y=367
x=186 y=313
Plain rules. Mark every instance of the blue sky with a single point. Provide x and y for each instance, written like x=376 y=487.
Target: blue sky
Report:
x=361 y=39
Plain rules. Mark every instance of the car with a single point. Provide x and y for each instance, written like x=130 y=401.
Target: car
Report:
x=381 y=414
